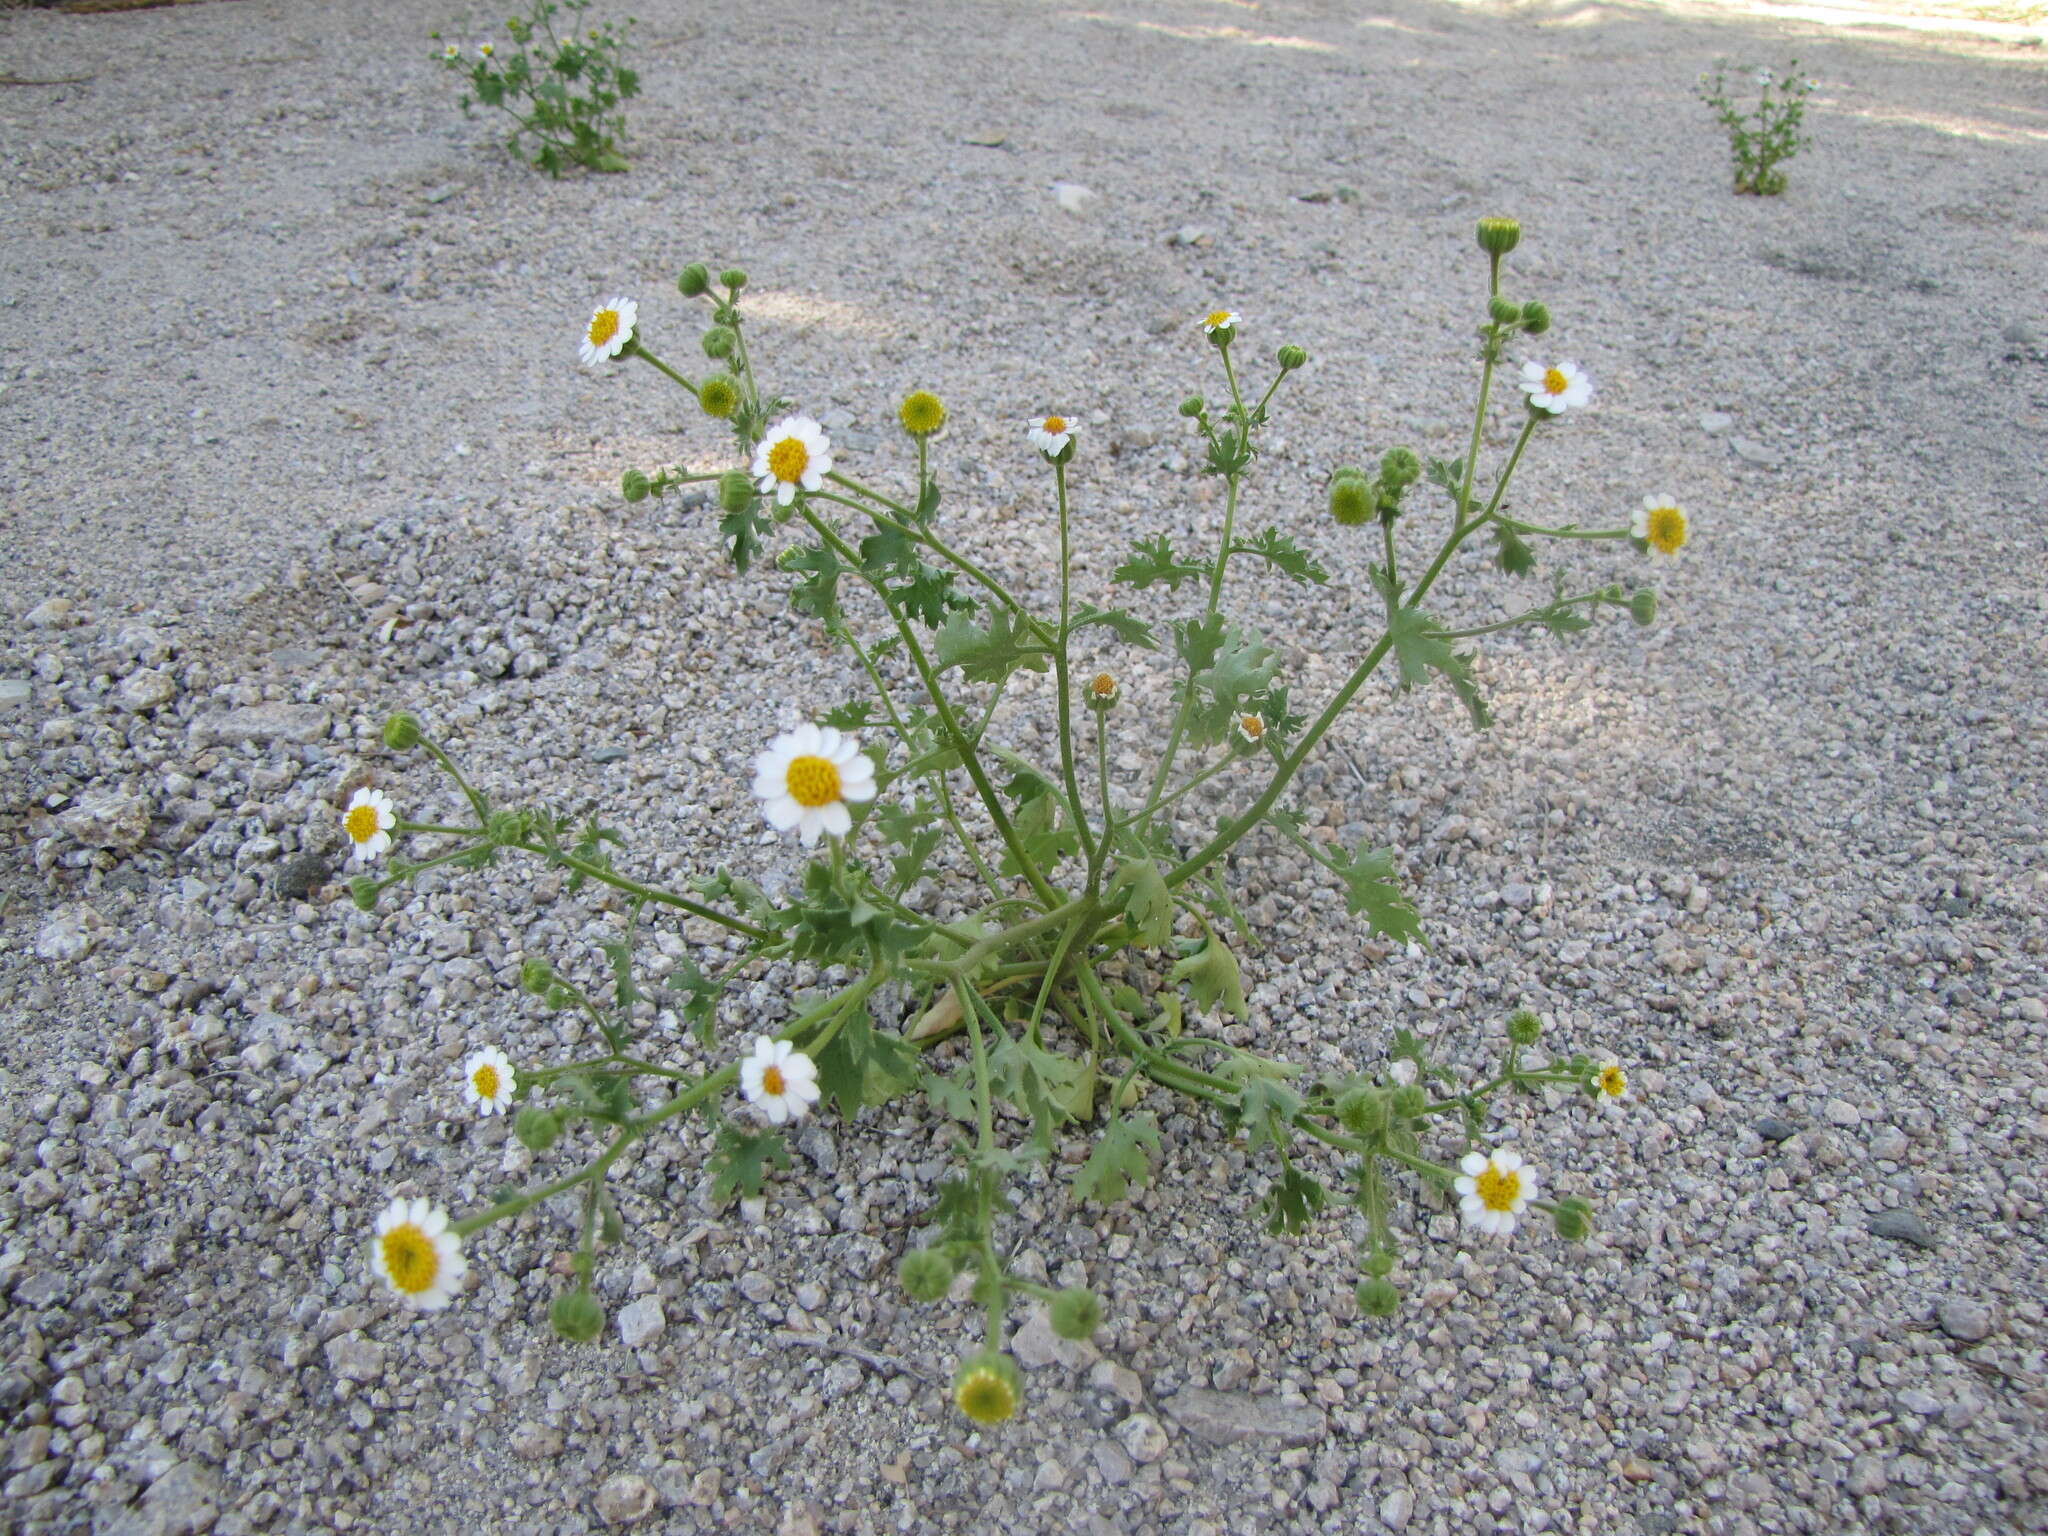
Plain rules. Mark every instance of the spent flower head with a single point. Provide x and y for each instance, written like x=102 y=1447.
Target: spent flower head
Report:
x=1555 y=387
x=987 y=1387
x=610 y=329
x=488 y=1081
x=921 y=413
x=1661 y=524
x=794 y=456
x=368 y=822
x=1494 y=1189
x=779 y=1080
x=416 y=1255
x=807 y=777
x=1250 y=729
x=1103 y=690
x=719 y=396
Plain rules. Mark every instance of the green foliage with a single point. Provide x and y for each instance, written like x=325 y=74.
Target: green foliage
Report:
x=863 y=1066
x=1286 y=556
x=1293 y=1201
x=1212 y=975
x=1153 y=563
x=1146 y=901
x=739 y=1165
x=561 y=88
x=1121 y=1161
x=1767 y=135
x=989 y=653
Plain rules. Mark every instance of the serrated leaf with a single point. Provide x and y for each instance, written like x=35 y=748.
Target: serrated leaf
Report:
x=988 y=655
x=863 y=1066
x=1265 y=1111
x=740 y=1162
x=916 y=830
x=1420 y=649
x=1197 y=641
x=1291 y=559
x=1293 y=1201
x=1153 y=563
x=1146 y=901
x=1213 y=976
x=1128 y=627
x=1121 y=1160
x=857 y=716
x=743 y=530
x=697 y=995
x=1372 y=887
x=1046 y=835
x=888 y=552
x=1036 y=1081
x=927 y=506
x=817 y=593
x=1448 y=476
x=952 y=1093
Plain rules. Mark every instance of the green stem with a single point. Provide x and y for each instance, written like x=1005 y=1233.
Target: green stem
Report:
x=917 y=533
x=651 y=893
x=1064 y=681
x=646 y=356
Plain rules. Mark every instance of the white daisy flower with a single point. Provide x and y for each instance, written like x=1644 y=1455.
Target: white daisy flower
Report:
x=488 y=1081
x=1555 y=387
x=1219 y=320
x=794 y=456
x=1494 y=1190
x=1610 y=1083
x=1051 y=434
x=416 y=1255
x=1251 y=729
x=368 y=822
x=451 y=52
x=807 y=776
x=1662 y=524
x=1103 y=690
x=486 y=49
x=610 y=328
x=779 y=1080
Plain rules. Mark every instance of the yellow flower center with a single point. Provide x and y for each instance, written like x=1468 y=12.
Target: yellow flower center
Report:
x=787 y=461
x=1497 y=1188
x=485 y=1080
x=604 y=325
x=813 y=781
x=773 y=1083
x=922 y=414
x=361 y=822
x=1613 y=1082
x=1666 y=530
x=1104 y=686
x=985 y=1397
x=1219 y=317
x=1554 y=381
x=1055 y=425
x=410 y=1259
x=1252 y=726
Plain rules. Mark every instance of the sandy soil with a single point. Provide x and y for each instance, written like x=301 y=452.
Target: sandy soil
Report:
x=290 y=416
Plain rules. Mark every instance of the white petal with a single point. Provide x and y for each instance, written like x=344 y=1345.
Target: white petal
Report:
x=813 y=826
x=806 y=741
x=828 y=742
x=838 y=819
x=858 y=791
x=783 y=812
x=1473 y=1163
x=1467 y=1186
x=1507 y=1161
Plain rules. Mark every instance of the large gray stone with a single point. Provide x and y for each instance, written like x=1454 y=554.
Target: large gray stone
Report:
x=261 y=723
x=1230 y=1418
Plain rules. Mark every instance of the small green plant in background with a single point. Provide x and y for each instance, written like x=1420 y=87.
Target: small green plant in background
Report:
x=1767 y=134
x=562 y=90
x=1095 y=975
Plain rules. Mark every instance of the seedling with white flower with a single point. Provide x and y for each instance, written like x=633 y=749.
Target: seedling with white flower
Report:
x=1768 y=134
x=1089 y=955
x=561 y=83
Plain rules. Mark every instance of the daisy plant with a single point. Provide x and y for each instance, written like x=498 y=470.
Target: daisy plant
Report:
x=561 y=82
x=1083 y=983
x=1768 y=134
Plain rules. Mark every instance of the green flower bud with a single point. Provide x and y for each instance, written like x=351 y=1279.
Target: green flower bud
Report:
x=1524 y=1028
x=693 y=280
x=1499 y=236
x=401 y=732
x=1642 y=606
x=1514 y=554
x=577 y=1316
x=925 y=1274
x=1410 y=1101
x=1353 y=500
x=611 y=1228
x=987 y=1387
x=735 y=491
x=1076 y=1314
x=537 y=1129
x=1399 y=468
x=1504 y=311
x=1378 y=1298
x=1535 y=318
x=718 y=396
x=1364 y=1111
x=733 y=278
x=633 y=485
x=536 y=976
x=1292 y=358
x=506 y=826
x=1573 y=1219
x=719 y=342
x=1192 y=406
x=363 y=892
x=921 y=413
x=1379 y=1263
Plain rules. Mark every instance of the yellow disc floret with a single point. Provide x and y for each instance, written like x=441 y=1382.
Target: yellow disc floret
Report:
x=1055 y=425
x=1612 y=1081
x=1498 y=1188
x=787 y=461
x=1554 y=381
x=985 y=1391
x=1665 y=530
x=410 y=1258
x=485 y=1078
x=812 y=781
x=921 y=414
x=604 y=325
x=361 y=823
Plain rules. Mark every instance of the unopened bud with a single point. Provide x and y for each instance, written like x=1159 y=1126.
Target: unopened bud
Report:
x=925 y=1274
x=718 y=396
x=735 y=491
x=1192 y=406
x=1573 y=1218
x=1515 y=555
x=536 y=976
x=733 y=278
x=1076 y=1313
x=1410 y=1101
x=1380 y=1263
x=577 y=1316
x=1353 y=500
x=1642 y=606
x=401 y=732
x=537 y=1129
x=506 y=826
x=1499 y=236
x=1364 y=1111
x=1292 y=358
x=693 y=280
x=1504 y=311
x=719 y=342
x=1399 y=468
x=633 y=485
x=1524 y=1027
x=363 y=892
x=1535 y=318
x=1378 y=1298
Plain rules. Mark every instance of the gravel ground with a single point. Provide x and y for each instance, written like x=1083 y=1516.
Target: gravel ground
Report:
x=293 y=433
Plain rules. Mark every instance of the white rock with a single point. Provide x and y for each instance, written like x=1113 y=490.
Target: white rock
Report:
x=70 y=934
x=1142 y=1438
x=1074 y=197
x=641 y=1322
